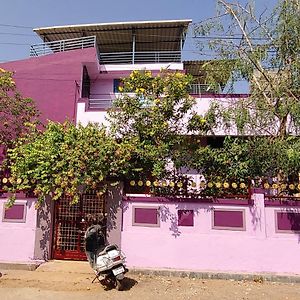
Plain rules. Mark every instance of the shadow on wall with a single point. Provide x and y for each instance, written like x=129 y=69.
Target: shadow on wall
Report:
x=167 y=215
x=44 y=231
x=113 y=206
x=256 y=217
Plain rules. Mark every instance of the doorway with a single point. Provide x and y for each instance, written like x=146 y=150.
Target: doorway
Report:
x=71 y=222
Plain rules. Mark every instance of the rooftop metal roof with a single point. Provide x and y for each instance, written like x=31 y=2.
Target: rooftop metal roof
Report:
x=117 y=37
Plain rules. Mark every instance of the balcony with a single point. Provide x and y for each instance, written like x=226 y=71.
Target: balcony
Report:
x=62 y=46
x=140 y=57
x=199 y=89
x=104 y=101
x=100 y=101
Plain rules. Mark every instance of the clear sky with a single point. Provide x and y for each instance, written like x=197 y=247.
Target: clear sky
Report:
x=28 y=14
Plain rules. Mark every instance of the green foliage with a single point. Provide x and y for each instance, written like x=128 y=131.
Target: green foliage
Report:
x=262 y=49
x=16 y=112
x=152 y=117
x=65 y=159
x=249 y=158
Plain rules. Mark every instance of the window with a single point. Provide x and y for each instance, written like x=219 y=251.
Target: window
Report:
x=146 y=216
x=287 y=221
x=16 y=213
x=86 y=83
x=185 y=218
x=229 y=219
x=117 y=84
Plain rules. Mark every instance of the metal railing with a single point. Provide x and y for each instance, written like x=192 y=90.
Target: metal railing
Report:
x=199 y=89
x=99 y=102
x=62 y=45
x=140 y=57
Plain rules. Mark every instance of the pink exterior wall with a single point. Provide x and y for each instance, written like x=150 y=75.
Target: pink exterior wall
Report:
x=200 y=248
x=103 y=86
x=17 y=240
x=53 y=81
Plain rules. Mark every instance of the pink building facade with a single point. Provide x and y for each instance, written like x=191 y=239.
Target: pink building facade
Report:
x=251 y=237
x=74 y=75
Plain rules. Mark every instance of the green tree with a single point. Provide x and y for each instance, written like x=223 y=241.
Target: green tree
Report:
x=264 y=50
x=151 y=114
x=66 y=160
x=16 y=112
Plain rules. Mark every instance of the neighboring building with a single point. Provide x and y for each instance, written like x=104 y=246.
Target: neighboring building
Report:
x=75 y=74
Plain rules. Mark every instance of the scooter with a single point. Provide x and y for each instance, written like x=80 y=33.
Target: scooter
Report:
x=110 y=265
x=108 y=262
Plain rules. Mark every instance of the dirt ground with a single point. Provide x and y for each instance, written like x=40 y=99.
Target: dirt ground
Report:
x=60 y=285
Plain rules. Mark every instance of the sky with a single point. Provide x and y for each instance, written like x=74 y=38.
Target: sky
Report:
x=19 y=17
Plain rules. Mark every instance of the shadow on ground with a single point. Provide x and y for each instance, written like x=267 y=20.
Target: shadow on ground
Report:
x=128 y=283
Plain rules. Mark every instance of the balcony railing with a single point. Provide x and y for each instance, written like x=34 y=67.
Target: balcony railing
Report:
x=199 y=89
x=140 y=57
x=62 y=45
x=100 y=101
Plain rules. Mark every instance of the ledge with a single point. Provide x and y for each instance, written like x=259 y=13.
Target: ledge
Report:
x=27 y=266
x=257 y=277
x=154 y=199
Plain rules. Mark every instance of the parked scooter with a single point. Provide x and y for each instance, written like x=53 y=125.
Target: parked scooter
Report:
x=107 y=261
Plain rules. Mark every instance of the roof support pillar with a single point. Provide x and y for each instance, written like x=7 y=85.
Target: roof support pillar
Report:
x=133 y=46
x=181 y=45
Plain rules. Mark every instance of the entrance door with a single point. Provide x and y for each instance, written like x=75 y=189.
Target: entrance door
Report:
x=71 y=222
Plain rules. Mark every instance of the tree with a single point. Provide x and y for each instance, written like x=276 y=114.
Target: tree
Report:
x=16 y=112
x=66 y=160
x=151 y=114
x=264 y=50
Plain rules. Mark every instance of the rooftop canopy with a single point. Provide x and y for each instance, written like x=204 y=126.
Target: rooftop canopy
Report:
x=168 y=35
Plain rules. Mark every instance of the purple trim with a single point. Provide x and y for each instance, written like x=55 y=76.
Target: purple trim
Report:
x=185 y=217
x=257 y=191
x=17 y=213
x=228 y=201
x=281 y=202
x=287 y=221
x=19 y=195
x=229 y=219
x=145 y=216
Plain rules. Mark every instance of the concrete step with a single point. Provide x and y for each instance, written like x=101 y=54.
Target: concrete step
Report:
x=20 y=265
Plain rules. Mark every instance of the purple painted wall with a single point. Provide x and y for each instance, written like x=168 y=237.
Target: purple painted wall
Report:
x=258 y=247
x=17 y=239
x=53 y=81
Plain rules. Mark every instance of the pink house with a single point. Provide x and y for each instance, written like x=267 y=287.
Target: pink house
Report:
x=75 y=74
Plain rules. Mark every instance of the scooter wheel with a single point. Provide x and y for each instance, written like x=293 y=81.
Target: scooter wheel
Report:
x=119 y=285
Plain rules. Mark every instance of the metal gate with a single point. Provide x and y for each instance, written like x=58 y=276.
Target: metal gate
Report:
x=71 y=222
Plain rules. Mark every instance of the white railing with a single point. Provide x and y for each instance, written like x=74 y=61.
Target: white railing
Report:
x=101 y=104
x=62 y=45
x=199 y=89
x=140 y=57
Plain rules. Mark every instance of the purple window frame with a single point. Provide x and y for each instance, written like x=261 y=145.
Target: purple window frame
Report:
x=134 y=223
x=188 y=219
x=277 y=230
x=234 y=228
x=15 y=220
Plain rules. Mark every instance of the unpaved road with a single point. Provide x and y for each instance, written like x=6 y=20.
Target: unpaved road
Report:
x=30 y=285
